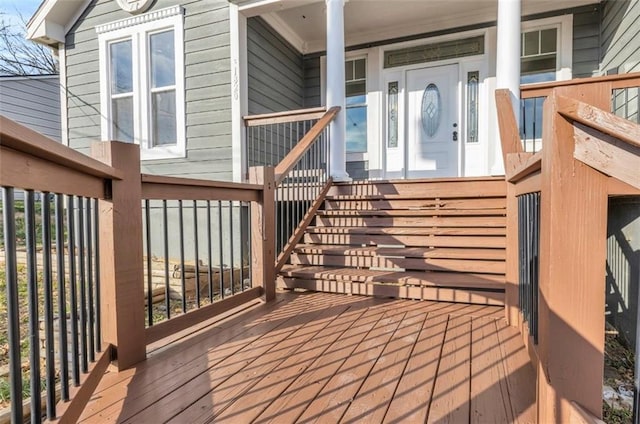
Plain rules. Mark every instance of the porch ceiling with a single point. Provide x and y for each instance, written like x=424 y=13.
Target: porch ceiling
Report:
x=302 y=22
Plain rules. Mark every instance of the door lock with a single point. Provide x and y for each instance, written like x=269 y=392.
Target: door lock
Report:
x=455 y=132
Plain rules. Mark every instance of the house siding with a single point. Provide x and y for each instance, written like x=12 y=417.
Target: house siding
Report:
x=586 y=41
x=275 y=70
x=33 y=102
x=312 y=95
x=620 y=44
x=207 y=86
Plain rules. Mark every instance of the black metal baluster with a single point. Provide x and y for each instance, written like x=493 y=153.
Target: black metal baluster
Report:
x=90 y=304
x=183 y=283
x=220 y=246
x=167 y=288
x=63 y=354
x=33 y=301
x=96 y=241
x=50 y=376
x=231 y=263
x=13 y=312
x=195 y=249
x=209 y=255
x=73 y=301
x=147 y=229
x=83 y=287
x=242 y=241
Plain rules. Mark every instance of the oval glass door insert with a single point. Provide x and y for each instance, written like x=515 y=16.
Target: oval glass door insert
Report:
x=431 y=110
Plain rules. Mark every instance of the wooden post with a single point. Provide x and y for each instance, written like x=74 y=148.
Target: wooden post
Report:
x=511 y=277
x=121 y=272
x=263 y=232
x=572 y=267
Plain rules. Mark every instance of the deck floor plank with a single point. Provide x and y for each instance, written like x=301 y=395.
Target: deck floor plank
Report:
x=411 y=400
x=489 y=398
x=320 y=357
x=450 y=401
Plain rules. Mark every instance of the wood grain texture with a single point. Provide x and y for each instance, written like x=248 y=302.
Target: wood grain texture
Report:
x=121 y=273
x=263 y=232
x=286 y=116
x=171 y=188
x=572 y=264
x=507 y=125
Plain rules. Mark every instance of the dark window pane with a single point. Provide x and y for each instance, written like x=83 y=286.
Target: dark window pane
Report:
x=163 y=67
x=356 y=88
x=348 y=70
x=122 y=119
x=531 y=46
x=121 y=68
x=163 y=110
x=357 y=129
x=360 y=71
x=548 y=40
x=538 y=64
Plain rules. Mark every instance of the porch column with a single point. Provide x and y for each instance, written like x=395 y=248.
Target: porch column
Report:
x=336 y=88
x=507 y=64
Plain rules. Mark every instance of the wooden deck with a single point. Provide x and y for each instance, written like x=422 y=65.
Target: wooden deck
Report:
x=318 y=357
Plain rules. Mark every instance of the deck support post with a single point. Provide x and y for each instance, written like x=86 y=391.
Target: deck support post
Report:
x=121 y=262
x=263 y=232
x=336 y=90
x=507 y=64
x=572 y=267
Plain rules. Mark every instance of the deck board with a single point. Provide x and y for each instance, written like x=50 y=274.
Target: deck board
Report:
x=319 y=357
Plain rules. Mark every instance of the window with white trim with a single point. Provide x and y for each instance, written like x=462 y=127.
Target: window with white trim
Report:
x=142 y=82
x=356 y=102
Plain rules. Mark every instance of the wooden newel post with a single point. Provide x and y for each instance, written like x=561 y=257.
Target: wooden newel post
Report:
x=121 y=272
x=572 y=267
x=263 y=232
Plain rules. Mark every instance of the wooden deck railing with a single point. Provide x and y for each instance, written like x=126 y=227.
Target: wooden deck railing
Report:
x=589 y=154
x=624 y=103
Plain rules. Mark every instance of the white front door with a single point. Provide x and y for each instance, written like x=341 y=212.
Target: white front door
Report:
x=433 y=130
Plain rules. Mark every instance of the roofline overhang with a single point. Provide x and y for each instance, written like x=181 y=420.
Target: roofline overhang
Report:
x=47 y=27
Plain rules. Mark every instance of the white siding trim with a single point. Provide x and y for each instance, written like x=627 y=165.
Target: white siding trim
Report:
x=64 y=101
x=239 y=89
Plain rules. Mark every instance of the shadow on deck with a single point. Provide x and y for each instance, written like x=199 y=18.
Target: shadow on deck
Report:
x=318 y=357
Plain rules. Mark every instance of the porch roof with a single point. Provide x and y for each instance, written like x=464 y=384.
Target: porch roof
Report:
x=303 y=24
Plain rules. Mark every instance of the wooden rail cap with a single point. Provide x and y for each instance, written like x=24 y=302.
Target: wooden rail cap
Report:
x=26 y=140
x=507 y=124
x=284 y=117
x=307 y=141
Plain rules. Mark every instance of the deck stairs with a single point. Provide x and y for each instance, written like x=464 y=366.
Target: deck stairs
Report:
x=435 y=239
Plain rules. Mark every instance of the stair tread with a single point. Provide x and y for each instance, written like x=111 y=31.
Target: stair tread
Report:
x=408 y=196
x=414 y=231
x=423 y=278
x=414 y=212
x=408 y=252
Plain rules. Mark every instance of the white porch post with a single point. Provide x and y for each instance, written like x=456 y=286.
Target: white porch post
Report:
x=507 y=63
x=336 y=88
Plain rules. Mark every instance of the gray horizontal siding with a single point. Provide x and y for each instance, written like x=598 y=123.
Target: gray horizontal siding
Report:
x=207 y=86
x=276 y=78
x=620 y=41
x=33 y=102
x=312 y=97
x=586 y=41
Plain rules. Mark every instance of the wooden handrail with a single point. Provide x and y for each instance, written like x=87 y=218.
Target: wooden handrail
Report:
x=507 y=124
x=283 y=117
x=527 y=166
x=599 y=120
x=159 y=187
x=544 y=89
x=305 y=143
x=22 y=139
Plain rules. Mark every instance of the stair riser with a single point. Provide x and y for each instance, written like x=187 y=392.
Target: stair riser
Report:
x=498 y=212
x=420 y=231
x=479 y=204
x=401 y=292
x=405 y=240
x=451 y=189
x=480 y=221
x=490 y=267
x=414 y=252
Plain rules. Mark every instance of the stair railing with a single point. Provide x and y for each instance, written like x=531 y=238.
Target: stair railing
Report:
x=589 y=155
x=300 y=183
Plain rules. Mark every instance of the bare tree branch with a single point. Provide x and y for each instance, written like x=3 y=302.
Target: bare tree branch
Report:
x=19 y=56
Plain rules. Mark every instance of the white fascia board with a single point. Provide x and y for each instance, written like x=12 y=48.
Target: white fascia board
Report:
x=45 y=28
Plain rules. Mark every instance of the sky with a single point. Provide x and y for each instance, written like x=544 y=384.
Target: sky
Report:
x=12 y=9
